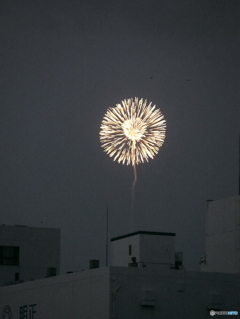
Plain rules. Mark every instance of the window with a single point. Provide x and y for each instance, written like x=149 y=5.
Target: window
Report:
x=130 y=250
x=9 y=255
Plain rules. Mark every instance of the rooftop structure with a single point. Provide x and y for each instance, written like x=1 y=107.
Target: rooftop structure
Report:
x=28 y=253
x=144 y=249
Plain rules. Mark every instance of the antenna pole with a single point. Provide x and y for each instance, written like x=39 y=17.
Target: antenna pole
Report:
x=107 y=240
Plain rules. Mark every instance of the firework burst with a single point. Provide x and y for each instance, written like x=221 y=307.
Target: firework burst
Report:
x=132 y=132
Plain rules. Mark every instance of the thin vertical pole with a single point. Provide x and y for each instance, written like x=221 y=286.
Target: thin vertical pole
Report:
x=239 y=167
x=107 y=240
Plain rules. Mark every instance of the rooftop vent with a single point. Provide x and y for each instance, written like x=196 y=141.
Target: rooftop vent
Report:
x=93 y=263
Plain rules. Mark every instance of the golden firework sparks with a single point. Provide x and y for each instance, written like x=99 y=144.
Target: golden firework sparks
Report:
x=132 y=132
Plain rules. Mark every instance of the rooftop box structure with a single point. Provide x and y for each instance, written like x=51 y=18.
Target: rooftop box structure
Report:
x=143 y=249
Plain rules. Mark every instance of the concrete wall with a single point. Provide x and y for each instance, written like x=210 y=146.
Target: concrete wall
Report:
x=157 y=250
x=223 y=236
x=39 y=249
x=141 y=293
x=78 y=295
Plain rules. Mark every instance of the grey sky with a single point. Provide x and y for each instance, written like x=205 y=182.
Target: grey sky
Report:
x=63 y=63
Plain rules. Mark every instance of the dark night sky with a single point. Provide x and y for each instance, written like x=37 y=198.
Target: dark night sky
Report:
x=63 y=63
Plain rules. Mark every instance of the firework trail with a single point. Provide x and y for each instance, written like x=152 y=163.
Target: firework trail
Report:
x=133 y=186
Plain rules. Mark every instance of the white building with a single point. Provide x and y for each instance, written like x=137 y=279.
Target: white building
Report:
x=28 y=253
x=122 y=293
x=144 y=249
x=147 y=285
x=222 y=236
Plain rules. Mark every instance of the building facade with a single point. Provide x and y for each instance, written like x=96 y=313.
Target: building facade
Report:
x=122 y=292
x=28 y=253
x=222 y=236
